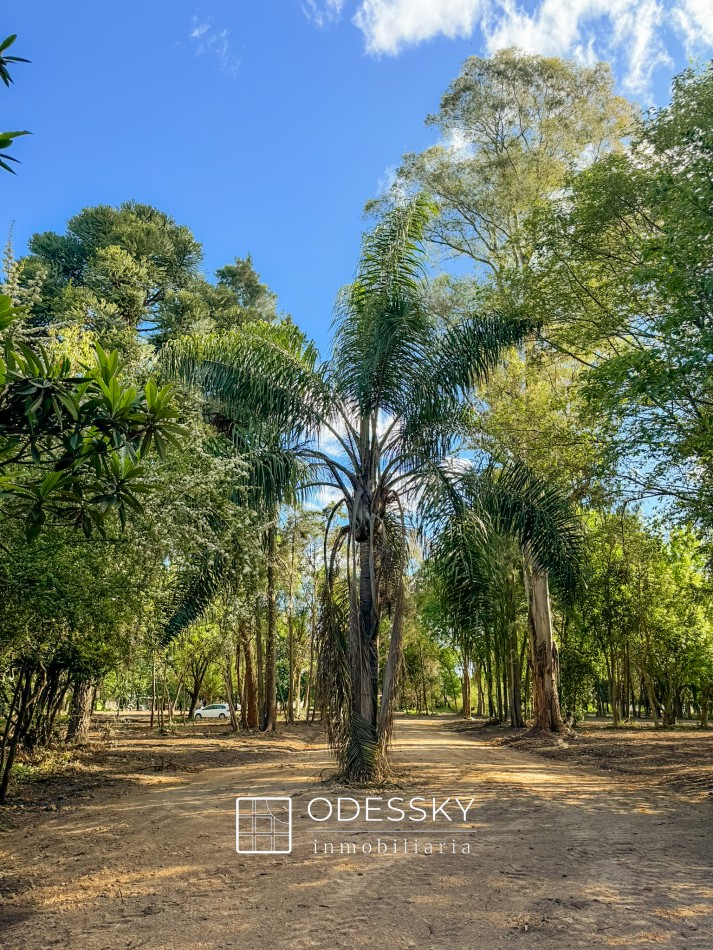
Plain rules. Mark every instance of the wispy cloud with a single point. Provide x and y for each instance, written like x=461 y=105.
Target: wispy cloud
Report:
x=695 y=20
x=632 y=34
x=214 y=41
x=628 y=32
x=323 y=12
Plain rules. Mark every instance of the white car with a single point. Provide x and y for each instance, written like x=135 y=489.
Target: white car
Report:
x=215 y=711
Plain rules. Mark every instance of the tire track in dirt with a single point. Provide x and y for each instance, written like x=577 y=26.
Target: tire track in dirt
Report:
x=562 y=858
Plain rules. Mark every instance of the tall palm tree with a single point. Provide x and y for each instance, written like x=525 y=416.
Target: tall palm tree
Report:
x=388 y=404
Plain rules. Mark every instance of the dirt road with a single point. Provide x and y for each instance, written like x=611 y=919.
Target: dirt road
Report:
x=561 y=858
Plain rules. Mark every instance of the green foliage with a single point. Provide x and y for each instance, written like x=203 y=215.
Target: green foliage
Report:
x=71 y=442
x=511 y=128
x=132 y=270
x=625 y=275
x=7 y=138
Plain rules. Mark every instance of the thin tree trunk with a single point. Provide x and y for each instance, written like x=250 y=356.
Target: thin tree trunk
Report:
x=480 y=709
x=251 y=701
x=270 y=719
x=516 y=721
x=244 y=690
x=8 y=721
x=228 y=670
x=260 y=663
x=291 y=670
x=23 y=706
x=705 y=702
x=545 y=698
x=153 y=688
x=465 y=688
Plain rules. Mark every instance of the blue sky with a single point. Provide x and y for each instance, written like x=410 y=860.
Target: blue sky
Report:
x=265 y=126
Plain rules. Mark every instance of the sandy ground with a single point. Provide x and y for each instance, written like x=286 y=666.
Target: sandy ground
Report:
x=563 y=856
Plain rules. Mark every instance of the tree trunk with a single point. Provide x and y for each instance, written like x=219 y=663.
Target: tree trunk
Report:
x=480 y=708
x=545 y=699
x=198 y=671
x=365 y=661
x=260 y=659
x=291 y=669
x=153 y=689
x=251 y=699
x=669 y=712
x=705 y=702
x=8 y=720
x=613 y=688
x=24 y=705
x=423 y=681
x=308 y=690
x=80 y=712
x=270 y=717
x=516 y=721
x=228 y=669
x=465 y=689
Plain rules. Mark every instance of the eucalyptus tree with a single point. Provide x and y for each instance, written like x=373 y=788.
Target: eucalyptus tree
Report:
x=390 y=402
x=512 y=130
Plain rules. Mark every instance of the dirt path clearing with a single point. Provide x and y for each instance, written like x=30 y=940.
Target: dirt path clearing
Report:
x=562 y=858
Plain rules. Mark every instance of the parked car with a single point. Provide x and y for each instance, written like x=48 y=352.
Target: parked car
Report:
x=214 y=711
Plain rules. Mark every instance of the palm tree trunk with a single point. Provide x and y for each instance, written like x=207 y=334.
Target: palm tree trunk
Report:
x=365 y=691
x=546 y=707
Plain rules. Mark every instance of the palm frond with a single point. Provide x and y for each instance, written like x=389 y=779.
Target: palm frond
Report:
x=383 y=330
x=538 y=515
x=193 y=593
x=259 y=374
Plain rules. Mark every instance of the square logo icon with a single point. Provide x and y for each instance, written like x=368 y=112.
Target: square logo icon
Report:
x=263 y=825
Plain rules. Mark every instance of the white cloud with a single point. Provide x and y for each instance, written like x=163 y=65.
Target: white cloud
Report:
x=390 y=25
x=632 y=34
x=695 y=20
x=386 y=181
x=627 y=31
x=323 y=12
x=215 y=41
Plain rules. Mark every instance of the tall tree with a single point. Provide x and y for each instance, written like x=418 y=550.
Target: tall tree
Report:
x=512 y=130
x=625 y=272
x=390 y=398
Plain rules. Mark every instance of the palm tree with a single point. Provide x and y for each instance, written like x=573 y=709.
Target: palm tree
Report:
x=389 y=406
x=478 y=516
